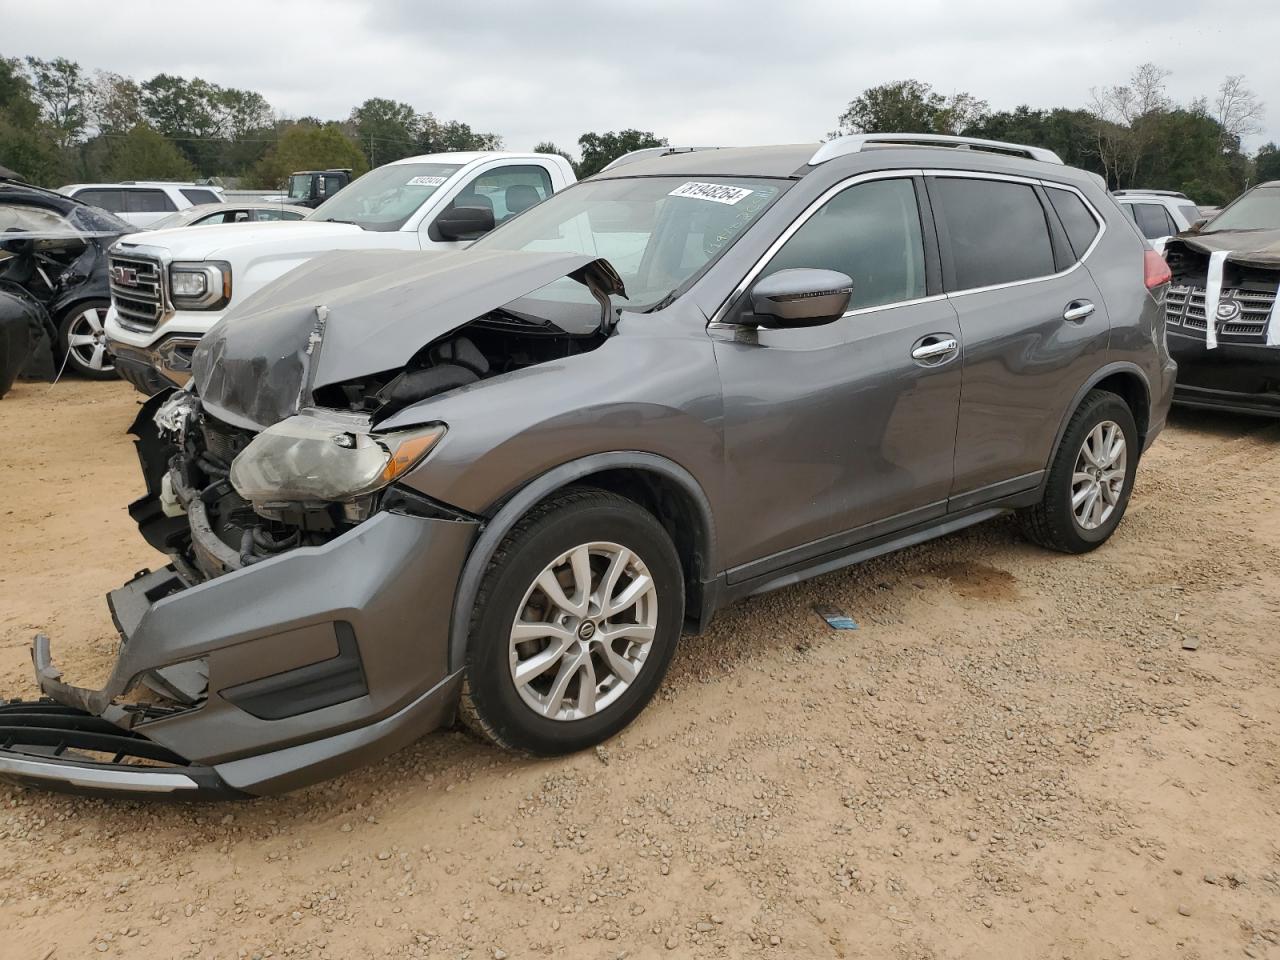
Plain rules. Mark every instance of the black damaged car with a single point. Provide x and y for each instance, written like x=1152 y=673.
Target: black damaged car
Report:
x=53 y=256
x=1223 y=323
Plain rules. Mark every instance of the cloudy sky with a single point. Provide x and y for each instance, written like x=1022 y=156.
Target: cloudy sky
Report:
x=711 y=72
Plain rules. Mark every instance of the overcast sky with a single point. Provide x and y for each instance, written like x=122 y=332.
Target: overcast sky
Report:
x=697 y=73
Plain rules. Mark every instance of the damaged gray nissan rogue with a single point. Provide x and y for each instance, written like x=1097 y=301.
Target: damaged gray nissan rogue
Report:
x=499 y=484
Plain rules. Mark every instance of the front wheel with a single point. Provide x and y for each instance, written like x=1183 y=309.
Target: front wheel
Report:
x=82 y=337
x=1090 y=479
x=574 y=625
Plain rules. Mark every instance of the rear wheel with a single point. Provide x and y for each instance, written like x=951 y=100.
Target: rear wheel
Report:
x=82 y=337
x=1090 y=479
x=574 y=625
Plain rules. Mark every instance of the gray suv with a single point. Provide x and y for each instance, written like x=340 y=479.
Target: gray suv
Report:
x=501 y=483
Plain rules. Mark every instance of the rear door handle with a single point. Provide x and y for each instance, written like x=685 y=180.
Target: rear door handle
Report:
x=935 y=349
x=1077 y=310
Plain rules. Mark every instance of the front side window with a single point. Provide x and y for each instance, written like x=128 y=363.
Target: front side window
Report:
x=507 y=190
x=996 y=231
x=870 y=232
x=1076 y=219
x=112 y=200
x=658 y=233
x=383 y=199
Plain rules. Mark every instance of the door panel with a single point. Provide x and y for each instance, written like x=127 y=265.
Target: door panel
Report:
x=831 y=428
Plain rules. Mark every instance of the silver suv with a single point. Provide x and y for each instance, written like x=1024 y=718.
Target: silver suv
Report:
x=501 y=483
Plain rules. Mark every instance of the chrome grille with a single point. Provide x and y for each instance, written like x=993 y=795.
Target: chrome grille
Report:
x=1184 y=307
x=138 y=291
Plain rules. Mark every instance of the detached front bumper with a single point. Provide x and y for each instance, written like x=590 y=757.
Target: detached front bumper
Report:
x=270 y=677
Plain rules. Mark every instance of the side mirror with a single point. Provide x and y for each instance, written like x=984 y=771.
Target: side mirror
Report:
x=464 y=223
x=801 y=298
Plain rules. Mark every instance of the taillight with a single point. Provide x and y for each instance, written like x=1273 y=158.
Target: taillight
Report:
x=1154 y=270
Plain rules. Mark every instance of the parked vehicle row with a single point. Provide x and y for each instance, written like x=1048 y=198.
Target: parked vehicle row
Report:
x=404 y=484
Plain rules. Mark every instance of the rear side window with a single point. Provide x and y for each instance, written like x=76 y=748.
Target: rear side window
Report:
x=1076 y=219
x=1152 y=220
x=148 y=201
x=112 y=200
x=996 y=231
x=198 y=197
x=871 y=232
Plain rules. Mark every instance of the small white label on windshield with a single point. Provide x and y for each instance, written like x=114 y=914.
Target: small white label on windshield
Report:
x=426 y=181
x=715 y=192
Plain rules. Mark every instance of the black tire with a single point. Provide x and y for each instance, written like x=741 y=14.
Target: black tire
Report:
x=80 y=359
x=1052 y=523
x=491 y=706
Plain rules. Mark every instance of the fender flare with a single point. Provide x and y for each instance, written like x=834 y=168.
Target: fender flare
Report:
x=1119 y=366
x=514 y=507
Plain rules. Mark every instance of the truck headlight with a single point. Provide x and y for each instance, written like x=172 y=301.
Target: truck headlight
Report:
x=205 y=285
x=306 y=459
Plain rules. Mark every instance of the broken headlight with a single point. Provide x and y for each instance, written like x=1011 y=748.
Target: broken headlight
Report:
x=306 y=459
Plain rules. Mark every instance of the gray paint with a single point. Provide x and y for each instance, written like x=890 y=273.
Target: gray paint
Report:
x=796 y=451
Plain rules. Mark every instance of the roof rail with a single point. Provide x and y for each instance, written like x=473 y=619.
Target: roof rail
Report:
x=857 y=142
x=1134 y=191
x=650 y=152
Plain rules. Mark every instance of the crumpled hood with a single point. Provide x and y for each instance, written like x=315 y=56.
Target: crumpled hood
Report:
x=1255 y=248
x=351 y=314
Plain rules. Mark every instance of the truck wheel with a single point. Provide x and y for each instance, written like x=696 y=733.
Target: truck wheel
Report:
x=82 y=340
x=1089 y=480
x=574 y=624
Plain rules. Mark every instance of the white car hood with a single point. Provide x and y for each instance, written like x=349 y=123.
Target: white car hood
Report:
x=220 y=241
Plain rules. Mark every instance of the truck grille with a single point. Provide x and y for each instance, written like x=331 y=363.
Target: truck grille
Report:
x=138 y=291
x=1184 y=307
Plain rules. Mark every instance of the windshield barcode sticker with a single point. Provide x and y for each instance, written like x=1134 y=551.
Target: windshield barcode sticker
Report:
x=715 y=192
x=426 y=181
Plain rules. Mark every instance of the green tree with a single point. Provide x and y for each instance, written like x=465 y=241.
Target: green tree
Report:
x=1266 y=163
x=144 y=154
x=304 y=147
x=444 y=136
x=62 y=92
x=16 y=103
x=386 y=129
x=115 y=103
x=25 y=145
x=546 y=146
x=601 y=149
x=1068 y=133
x=910 y=106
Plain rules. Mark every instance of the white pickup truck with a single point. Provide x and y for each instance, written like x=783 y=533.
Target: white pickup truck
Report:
x=168 y=287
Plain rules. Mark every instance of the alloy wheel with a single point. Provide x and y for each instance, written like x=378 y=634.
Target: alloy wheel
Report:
x=1098 y=479
x=87 y=340
x=583 y=632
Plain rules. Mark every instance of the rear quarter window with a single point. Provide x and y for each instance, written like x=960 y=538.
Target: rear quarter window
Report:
x=1076 y=219
x=996 y=231
x=148 y=201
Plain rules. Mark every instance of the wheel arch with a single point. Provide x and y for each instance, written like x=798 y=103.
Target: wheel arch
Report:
x=661 y=486
x=1126 y=380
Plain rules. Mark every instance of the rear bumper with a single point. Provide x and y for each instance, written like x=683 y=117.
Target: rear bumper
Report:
x=272 y=677
x=1235 y=377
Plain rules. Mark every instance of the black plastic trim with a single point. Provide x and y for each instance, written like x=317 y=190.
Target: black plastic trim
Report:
x=304 y=689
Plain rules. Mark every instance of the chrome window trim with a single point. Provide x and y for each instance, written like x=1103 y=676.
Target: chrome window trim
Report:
x=717 y=318
x=1029 y=181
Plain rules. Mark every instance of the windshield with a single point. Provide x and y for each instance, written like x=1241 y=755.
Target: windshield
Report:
x=1259 y=209
x=385 y=198
x=300 y=186
x=657 y=232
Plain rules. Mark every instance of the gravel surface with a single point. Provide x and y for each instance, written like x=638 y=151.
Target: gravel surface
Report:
x=1014 y=756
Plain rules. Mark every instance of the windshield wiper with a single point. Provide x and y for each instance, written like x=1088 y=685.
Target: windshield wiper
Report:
x=336 y=220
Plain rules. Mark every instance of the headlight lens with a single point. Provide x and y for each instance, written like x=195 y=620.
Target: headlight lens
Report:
x=205 y=285
x=306 y=459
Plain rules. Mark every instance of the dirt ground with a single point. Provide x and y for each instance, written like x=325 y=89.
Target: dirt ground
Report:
x=1013 y=756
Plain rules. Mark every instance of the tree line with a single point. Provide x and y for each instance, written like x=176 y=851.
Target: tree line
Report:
x=60 y=123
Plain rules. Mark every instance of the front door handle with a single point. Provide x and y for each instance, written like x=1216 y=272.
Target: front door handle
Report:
x=1077 y=310
x=935 y=349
